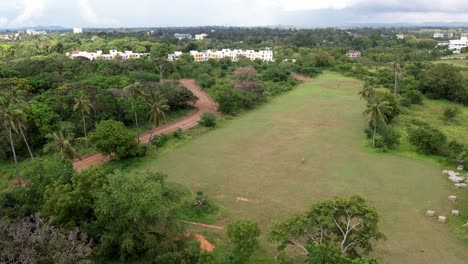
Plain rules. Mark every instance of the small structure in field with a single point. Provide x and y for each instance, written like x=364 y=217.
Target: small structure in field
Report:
x=455 y=212
x=430 y=212
x=441 y=219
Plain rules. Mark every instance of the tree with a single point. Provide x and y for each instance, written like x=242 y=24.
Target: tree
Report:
x=443 y=81
x=376 y=112
x=427 y=140
x=244 y=236
x=397 y=65
x=157 y=110
x=32 y=240
x=10 y=113
x=161 y=65
x=135 y=92
x=61 y=142
x=346 y=223
x=208 y=119
x=368 y=92
x=83 y=104
x=112 y=137
x=131 y=207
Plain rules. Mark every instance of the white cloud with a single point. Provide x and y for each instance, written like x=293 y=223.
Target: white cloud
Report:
x=29 y=9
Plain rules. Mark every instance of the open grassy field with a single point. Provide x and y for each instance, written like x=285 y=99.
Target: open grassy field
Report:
x=258 y=156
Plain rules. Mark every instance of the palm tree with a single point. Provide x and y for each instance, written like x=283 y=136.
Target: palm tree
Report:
x=367 y=93
x=83 y=104
x=62 y=142
x=397 y=65
x=157 y=112
x=376 y=110
x=10 y=112
x=134 y=92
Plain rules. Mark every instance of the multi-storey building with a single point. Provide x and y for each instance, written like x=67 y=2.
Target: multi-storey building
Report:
x=233 y=55
x=113 y=54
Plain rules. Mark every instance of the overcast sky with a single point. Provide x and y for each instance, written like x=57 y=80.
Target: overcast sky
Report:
x=158 y=13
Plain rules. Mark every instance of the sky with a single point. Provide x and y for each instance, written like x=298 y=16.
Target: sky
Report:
x=158 y=13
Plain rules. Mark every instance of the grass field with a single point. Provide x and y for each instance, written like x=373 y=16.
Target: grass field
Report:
x=258 y=156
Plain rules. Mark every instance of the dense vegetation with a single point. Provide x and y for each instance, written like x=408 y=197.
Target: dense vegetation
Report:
x=54 y=110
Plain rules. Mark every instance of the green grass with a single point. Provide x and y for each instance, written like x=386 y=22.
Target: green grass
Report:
x=258 y=156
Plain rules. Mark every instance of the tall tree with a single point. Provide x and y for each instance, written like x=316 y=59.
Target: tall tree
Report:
x=368 y=92
x=83 y=104
x=134 y=92
x=161 y=65
x=376 y=111
x=397 y=65
x=157 y=110
x=61 y=142
x=10 y=113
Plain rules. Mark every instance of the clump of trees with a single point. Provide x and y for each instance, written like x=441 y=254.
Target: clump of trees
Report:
x=427 y=140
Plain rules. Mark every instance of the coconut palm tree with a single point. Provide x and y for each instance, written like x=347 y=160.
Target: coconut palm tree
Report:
x=368 y=92
x=157 y=110
x=376 y=110
x=61 y=142
x=134 y=92
x=397 y=65
x=83 y=104
x=10 y=112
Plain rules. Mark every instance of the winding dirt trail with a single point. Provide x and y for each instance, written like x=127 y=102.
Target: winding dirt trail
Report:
x=301 y=78
x=203 y=104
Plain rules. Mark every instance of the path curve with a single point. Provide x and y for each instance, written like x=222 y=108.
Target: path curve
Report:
x=301 y=77
x=204 y=104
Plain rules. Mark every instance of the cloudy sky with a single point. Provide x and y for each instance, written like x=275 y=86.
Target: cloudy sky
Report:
x=152 y=13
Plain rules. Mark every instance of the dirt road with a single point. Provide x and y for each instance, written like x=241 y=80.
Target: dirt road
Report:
x=300 y=77
x=204 y=104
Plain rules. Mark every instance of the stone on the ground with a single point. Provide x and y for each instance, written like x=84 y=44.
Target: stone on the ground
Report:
x=466 y=224
x=452 y=198
x=445 y=172
x=460 y=167
x=442 y=219
x=456 y=212
x=460 y=185
x=430 y=213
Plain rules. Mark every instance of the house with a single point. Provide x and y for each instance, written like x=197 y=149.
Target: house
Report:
x=233 y=55
x=201 y=36
x=400 y=36
x=182 y=36
x=113 y=54
x=77 y=30
x=353 y=53
x=34 y=32
x=450 y=35
x=438 y=35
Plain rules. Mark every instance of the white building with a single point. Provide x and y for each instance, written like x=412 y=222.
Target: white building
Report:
x=34 y=32
x=113 y=54
x=457 y=44
x=201 y=36
x=353 y=53
x=438 y=35
x=400 y=36
x=233 y=55
x=77 y=30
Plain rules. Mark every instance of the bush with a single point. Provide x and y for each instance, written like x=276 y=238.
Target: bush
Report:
x=456 y=152
x=387 y=136
x=208 y=120
x=160 y=140
x=178 y=134
x=198 y=207
x=112 y=137
x=414 y=97
x=427 y=140
x=450 y=113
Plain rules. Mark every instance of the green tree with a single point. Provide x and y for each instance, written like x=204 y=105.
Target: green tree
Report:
x=135 y=92
x=157 y=110
x=368 y=92
x=83 y=104
x=427 y=140
x=61 y=142
x=349 y=224
x=112 y=137
x=244 y=236
x=375 y=111
x=443 y=81
x=131 y=206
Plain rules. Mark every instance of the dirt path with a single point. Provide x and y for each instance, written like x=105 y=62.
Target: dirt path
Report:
x=204 y=104
x=204 y=225
x=301 y=78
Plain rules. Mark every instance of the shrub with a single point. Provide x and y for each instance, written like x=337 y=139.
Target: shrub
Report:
x=112 y=137
x=178 y=134
x=387 y=137
x=244 y=237
x=208 y=120
x=455 y=151
x=160 y=140
x=414 y=96
x=427 y=140
x=199 y=206
x=450 y=113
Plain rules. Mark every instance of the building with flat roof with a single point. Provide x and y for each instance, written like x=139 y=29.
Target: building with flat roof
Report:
x=182 y=36
x=77 y=30
x=234 y=55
